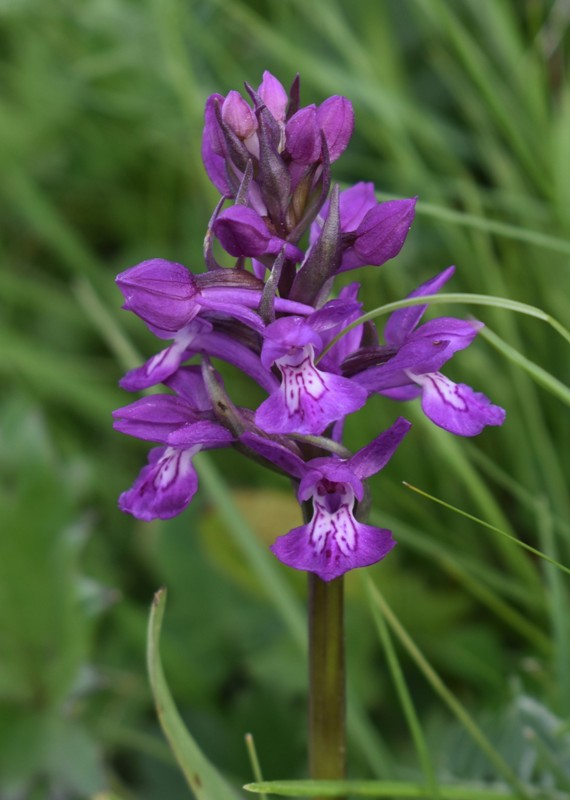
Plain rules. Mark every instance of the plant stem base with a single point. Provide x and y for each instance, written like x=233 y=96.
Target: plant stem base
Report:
x=327 y=701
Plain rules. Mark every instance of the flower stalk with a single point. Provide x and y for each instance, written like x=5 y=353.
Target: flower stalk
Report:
x=327 y=681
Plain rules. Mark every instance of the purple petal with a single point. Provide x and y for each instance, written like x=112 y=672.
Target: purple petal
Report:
x=283 y=335
x=354 y=204
x=164 y=364
x=375 y=456
x=402 y=322
x=273 y=95
x=303 y=136
x=153 y=418
x=238 y=115
x=242 y=232
x=331 y=545
x=381 y=234
x=458 y=333
x=402 y=393
x=213 y=147
x=162 y=293
x=164 y=487
x=336 y=120
x=188 y=384
x=418 y=356
x=209 y=435
x=456 y=407
x=274 y=452
x=308 y=400
x=327 y=475
x=333 y=317
x=223 y=346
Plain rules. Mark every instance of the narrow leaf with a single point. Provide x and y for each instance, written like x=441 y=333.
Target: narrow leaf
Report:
x=202 y=777
x=393 y=789
x=520 y=543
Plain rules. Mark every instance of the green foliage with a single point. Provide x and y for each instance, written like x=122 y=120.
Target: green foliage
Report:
x=465 y=104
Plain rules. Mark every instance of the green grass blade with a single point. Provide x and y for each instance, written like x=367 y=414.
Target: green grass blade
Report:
x=393 y=789
x=452 y=298
x=538 y=374
x=465 y=573
x=405 y=697
x=202 y=777
x=558 y=607
x=447 y=696
x=513 y=539
x=478 y=223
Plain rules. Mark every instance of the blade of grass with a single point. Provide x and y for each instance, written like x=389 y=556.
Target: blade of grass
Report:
x=393 y=789
x=452 y=298
x=446 y=695
x=406 y=701
x=513 y=539
x=254 y=760
x=538 y=374
x=495 y=227
x=459 y=572
x=558 y=606
x=204 y=780
x=466 y=569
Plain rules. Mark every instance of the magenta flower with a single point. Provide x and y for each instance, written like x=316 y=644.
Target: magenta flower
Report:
x=272 y=317
x=167 y=484
x=411 y=361
x=308 y=399
x=167 y=296
x=372 y=232
x=334 y=541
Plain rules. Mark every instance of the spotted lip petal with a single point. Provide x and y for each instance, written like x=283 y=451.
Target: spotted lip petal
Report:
x=308 y=399
x=334 y=541
x=456 y=407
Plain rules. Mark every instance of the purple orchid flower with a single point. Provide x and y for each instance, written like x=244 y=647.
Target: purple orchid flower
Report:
x=183 y=423
x=413 y=357
x=334 y=541
x=372 y=232
x=308 y=399
x=166 y=296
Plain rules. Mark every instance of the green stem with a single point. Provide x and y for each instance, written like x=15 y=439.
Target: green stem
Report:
x=327 y=703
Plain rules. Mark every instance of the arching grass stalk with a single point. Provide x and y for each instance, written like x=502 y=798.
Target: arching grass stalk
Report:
x=452 y=298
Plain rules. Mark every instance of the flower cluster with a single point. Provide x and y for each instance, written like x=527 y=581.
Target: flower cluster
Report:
x=273 y=315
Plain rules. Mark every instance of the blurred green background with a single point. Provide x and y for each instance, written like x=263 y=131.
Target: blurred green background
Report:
x=463 y=103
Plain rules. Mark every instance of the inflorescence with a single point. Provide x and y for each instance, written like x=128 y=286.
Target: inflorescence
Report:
x=273 y=315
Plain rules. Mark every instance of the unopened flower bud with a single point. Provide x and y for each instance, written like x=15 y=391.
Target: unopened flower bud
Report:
x=336 y=120
x=238 y=115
